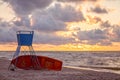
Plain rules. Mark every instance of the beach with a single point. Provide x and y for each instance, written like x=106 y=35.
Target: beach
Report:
x=66 y=73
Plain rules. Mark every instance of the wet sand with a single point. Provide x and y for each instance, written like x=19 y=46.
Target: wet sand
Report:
x=66 y=73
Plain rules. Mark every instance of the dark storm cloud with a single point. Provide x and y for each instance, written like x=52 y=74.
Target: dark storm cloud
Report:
x=25 y=7
x=99 y=10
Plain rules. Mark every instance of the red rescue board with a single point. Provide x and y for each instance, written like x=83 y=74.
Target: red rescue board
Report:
x=37 y=62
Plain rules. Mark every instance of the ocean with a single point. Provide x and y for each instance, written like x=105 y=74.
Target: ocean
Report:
x=79 y=58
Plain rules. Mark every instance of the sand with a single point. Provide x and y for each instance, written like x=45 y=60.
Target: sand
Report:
x=65 y=74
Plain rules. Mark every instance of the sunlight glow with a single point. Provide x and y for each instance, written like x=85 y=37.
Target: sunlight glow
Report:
x=6 y=12
x=31 y=20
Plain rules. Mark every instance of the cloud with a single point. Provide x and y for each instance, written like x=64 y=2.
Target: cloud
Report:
x=25 y=7
x=95 y=34
x=112 y=30
x=93 y=20
x=105 y=36
x=47 y=23
x=99 y=10
x=22 y=21
x=76 y=0
x=114 y=33
x=93 y=37
x=54 y=18
x=106 y=24
x=67 y=13
x=6 y=32
x=43 y=23
x=54 y=39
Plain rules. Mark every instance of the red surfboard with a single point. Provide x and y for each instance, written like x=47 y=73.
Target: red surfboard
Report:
x=37 y=62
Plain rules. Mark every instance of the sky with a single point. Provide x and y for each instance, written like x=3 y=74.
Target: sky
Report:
x=62 y=25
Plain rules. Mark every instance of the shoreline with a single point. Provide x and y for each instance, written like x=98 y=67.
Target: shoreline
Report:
x=67 y=73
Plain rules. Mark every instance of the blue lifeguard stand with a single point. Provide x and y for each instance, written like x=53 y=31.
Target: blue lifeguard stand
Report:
x=25 y=39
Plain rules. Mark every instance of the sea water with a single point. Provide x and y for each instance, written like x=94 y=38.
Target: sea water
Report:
x=79 y=58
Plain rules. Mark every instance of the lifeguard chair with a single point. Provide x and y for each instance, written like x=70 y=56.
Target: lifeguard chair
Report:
x=24 y=39
x=25 y=57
